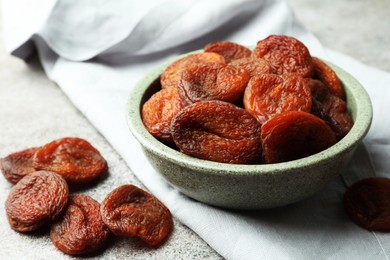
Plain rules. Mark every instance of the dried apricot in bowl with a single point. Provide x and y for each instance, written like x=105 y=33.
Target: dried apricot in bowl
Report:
x=171 y=75
x=217 y=131
x=229 y=50
x=367 y=203
x=268 y=95
x=293 y=135
x=212 y=81
x=158 y=111
x=286 y=54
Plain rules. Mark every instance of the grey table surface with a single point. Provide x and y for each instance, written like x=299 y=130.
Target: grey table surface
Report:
x=33 y=111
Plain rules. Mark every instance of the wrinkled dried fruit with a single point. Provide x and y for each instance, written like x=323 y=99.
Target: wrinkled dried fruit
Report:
x=81 y=228
x=367 y=203
x=212 y=81
x=171 y=75
x=17 y=165
x=73 y=158
x=131 y=211
x=326 y=75
x=217 y=131
x=268 y=95
x=254 y=66
x=158 y=112
x=285 y=54
x=229 y=50
x=293 y=135
x=330 y=108
x=318 y=90
x=341 y=121
x=36 y=199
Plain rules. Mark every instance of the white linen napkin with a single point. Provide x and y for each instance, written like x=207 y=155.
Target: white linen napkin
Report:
x=97 y=50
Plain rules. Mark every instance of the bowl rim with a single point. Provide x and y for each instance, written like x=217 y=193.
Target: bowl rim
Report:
x=359 y=130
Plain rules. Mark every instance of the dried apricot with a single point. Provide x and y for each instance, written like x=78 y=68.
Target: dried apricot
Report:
x=293 y=135
x=217 y=131
x=268 y=95
x=73 y=158
x=367 y=202
x=131 y=211
x=158 y=112
x=229 y=50
x=171 y=74
x=336 y=108
x=17 y=165
x=286 y=54
x=332 y=109
x=212 y=81
x=326 y=75
x=36 y=199
x=254 y=66
x=81 y=228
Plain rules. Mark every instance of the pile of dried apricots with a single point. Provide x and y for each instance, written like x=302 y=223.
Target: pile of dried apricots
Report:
x=233 y=105
x=78 y=223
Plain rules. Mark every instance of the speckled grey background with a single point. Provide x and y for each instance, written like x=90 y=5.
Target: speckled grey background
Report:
x=34 y=111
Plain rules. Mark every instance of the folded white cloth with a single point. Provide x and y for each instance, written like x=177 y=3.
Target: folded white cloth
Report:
x=97 y=50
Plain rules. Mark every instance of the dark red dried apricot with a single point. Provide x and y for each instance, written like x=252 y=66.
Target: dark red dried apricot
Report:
x=326 y=75
x=294 y=135
x=73 y=158
x=217 y=131
x=171 y=75
x=81 y=228
x=336 y=108
x=332 y=109
x=35 y=200
x=212 y=81
x=367 y=203
x=268 y=95
x=286 y=54
x=254 y=66
x=131 y=211
x=17 y=165
x=229 y=50
x=158 y=111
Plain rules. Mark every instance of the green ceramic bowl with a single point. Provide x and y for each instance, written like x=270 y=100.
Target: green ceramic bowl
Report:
x=249 y=186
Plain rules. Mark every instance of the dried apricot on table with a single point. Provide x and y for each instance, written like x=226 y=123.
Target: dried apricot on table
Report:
x=36 y=199
x=217 y=131
x=367 y=202
x=171 y=75
x=254 y=66
x=212 y=81
x=268 y=95
x=326 y=75
x=17 y=165
x=293 y=135
x=286 y=54
x=73 y=158
x=229 y=50
x=157 y=113
x=131 y=211
x=81 y=228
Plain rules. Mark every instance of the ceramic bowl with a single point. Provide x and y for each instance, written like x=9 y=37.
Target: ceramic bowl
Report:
x=249 y=186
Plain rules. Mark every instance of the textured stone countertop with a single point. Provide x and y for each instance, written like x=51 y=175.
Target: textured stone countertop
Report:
x=33 y=111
